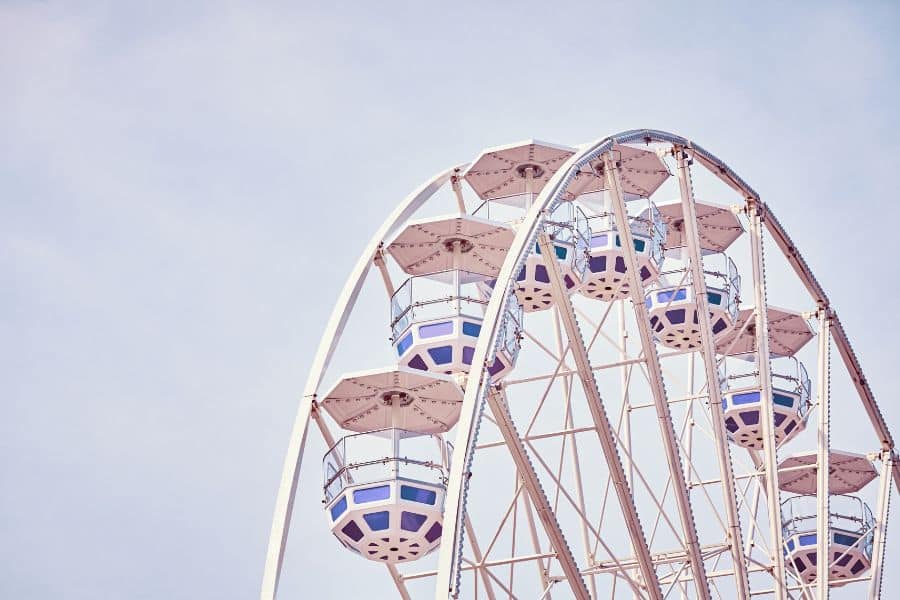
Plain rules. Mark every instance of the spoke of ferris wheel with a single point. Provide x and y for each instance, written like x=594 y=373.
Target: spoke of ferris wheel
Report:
x=657 y=386
x=883 y=510
x=708 y=355
x=599 y=415
x=767 y=414
x=823 y=471
x=573 y=453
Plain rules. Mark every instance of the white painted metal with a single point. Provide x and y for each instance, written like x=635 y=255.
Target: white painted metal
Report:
x=497 y=401
x=657 y=386
x=770 y=458
x=880 y=541
x=600 y=418
x=708 y=354
x=823 y=458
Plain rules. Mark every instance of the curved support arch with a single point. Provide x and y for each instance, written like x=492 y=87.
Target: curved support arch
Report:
x=346 y=301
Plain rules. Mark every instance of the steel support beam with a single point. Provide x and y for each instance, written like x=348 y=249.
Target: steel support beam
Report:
x=880 y=541
x=708 y=353
x=823 y=448
x=767 y=413
x=601 y=419
x=546 y=515
x=667 y=428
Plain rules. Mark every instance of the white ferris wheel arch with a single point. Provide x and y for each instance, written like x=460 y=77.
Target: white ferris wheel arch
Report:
x=478 y=391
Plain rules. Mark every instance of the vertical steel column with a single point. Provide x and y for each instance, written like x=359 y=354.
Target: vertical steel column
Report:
x=767 y=415
x=823 y=468
x=884 y=506
x=657 y=385
x=708 y=353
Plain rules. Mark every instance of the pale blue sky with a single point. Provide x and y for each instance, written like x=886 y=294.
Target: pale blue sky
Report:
x=185 y=189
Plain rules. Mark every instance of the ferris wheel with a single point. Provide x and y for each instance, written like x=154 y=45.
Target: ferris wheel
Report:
x=597 y=385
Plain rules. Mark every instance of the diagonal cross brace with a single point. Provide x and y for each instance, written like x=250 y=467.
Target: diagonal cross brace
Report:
x=600 y=418
x=670 y=441
x=532 y=484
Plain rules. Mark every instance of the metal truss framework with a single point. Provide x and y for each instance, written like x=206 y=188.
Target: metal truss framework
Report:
x=667 y=553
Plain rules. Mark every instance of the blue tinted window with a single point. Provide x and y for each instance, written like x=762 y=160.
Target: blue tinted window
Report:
x=669 y=295
x=846 y=540
x=675 y=316
x=352 y=531
x=714 y=298
x=561 y=252
x=783 y=400
x=434 y=533
x=719 y=326
x=410 y=521
x=598 y=241
x=378 y=521
x=472 y=329
x=597 y=264
x=496 y=367
x=808 y=539
x=645 y=273
x=468 y=354
x=382 y=492
x=408 y=492
x=416 y=362
x=441 y=355
x=404 y=344
x=750 y=417
x=745 y=398
x=436 y=329
x=639 y=245
x=338 y=508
